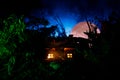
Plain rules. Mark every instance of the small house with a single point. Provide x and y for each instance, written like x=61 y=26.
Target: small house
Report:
x=64 y=48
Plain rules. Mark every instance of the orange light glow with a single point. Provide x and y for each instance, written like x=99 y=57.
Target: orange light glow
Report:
x=79 y=29
x=50 y=56
x=66 y=49
x=69 y=55
x=53 y=49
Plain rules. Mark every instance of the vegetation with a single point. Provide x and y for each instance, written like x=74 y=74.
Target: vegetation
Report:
x=22 y=52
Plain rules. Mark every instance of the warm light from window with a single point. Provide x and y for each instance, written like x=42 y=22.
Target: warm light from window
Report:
x=66 y=49
x=53 y=49
x=50 y=56
x=69 y=55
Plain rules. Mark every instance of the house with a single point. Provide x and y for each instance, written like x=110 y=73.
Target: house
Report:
x=64 y=48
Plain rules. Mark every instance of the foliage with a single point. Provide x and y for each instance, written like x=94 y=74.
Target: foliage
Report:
x=13 y=27
x=10 y=36
x=18 y=54
x=21 y=52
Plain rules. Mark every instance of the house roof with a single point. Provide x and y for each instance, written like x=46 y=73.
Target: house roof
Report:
x=66 y=41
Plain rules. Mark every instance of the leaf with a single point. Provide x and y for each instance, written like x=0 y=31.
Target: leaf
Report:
x=19 y=21
x=14 y=45
x=9 y=69
x=12 y=60
x=11 y=28
x=3 y=50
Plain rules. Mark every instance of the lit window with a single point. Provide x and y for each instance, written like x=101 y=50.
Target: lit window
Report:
x=69 y=55
x=50 y=56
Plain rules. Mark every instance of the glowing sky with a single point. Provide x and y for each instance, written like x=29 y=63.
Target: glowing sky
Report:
x=70 y=12
x=80 y=28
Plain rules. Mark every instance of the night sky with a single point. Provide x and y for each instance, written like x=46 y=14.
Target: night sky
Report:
x=69 y=11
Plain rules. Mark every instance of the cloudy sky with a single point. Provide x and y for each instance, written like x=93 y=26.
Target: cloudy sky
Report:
x=69 y=11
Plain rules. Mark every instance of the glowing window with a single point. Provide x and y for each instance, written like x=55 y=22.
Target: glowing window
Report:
x=50 y=56
x=69 y=55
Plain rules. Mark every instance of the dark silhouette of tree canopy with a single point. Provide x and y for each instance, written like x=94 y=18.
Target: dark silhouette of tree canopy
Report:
x=22 y=51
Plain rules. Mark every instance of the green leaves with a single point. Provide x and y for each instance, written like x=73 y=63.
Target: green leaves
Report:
x=11 y=35
x=10 y=64
x=3 y=50
x=54 y=65
x=11 y=28
x=12 y=60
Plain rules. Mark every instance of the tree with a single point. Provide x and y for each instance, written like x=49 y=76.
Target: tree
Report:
x=10 y=36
